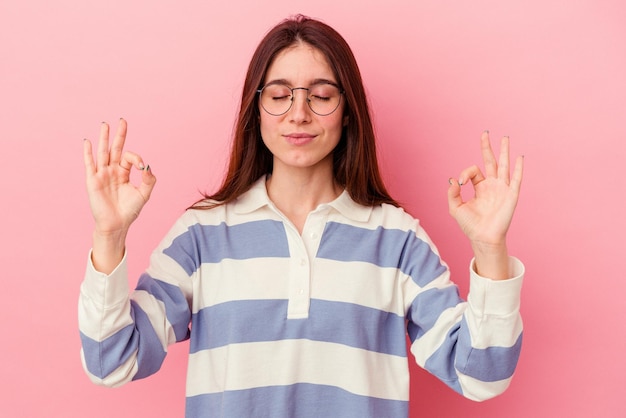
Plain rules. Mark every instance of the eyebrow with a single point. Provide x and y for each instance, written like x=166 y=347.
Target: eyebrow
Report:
x=315 y=82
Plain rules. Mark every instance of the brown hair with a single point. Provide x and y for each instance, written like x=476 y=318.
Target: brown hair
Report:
x=355 y=165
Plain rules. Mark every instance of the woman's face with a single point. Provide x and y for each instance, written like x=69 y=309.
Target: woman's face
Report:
x=300 y=138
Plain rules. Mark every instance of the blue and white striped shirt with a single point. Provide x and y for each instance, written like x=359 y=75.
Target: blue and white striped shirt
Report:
x=283 y=324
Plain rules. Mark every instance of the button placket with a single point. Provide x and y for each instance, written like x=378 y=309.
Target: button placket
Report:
x=299 y=278
x=303 y=249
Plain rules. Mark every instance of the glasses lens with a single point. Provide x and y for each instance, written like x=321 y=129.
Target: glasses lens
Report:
x=323 y=99
x=276 y=99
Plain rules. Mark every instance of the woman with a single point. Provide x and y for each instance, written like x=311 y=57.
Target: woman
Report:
x=301 y=276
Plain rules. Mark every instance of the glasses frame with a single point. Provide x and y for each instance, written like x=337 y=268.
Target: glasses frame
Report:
x=308 y=100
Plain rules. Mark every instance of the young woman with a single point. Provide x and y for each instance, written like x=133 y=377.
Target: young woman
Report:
x=297 y=281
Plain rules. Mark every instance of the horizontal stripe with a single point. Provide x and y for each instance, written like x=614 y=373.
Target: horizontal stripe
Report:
x=270 y=278
x=261 y=278
x=486 y=364
x=456 y=353
x=361 y=283
x=286 y=362
x=503 y=331
x=103 y=357
x=425 y=346
x=441 y=362
x=266 y=320
x=175 y=305
x=299 y=400
x=480 y=391
x=383 y=247
x=213 y=243
x=150 y=354
x=427 y=307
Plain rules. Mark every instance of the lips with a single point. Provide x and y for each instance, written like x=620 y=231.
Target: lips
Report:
x=299 y=138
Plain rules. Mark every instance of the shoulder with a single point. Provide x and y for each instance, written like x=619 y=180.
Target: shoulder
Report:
x=393 y=217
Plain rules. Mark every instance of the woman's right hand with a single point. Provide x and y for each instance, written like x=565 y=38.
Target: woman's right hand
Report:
x=115 y=202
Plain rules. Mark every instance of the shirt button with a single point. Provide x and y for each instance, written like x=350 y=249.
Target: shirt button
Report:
x=313 y=235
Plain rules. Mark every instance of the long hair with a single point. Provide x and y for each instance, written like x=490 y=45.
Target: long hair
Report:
x=355 y=166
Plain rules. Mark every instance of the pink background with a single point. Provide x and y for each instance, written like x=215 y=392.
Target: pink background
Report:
x=551 y=74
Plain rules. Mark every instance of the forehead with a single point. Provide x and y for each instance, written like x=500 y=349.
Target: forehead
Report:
x=299 y=63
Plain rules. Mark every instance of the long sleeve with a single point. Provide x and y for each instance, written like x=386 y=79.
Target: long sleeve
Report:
x=471 y=346
x=125 y=335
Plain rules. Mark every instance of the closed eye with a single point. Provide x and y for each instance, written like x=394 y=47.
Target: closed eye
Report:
x=320 y=98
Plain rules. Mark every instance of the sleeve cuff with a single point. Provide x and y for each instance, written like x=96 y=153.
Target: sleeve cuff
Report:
x=106 y=290
x=496 y=297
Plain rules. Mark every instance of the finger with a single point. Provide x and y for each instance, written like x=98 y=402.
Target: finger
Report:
x=130 y=159
x=472 y=174
x=103 y=146
x=491 y=166
x=518 y=171
x=503 y=162
x=118 y=142
x=90 y=166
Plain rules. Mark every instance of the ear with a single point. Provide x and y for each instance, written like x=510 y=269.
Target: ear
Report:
x=345 y=120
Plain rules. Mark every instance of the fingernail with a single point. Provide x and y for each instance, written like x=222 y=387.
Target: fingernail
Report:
x=450 y=181
x=486 y=131
x=148 y=168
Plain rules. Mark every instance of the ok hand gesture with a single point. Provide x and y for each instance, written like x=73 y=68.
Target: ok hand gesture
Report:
x=115 y=202
x=485 y=218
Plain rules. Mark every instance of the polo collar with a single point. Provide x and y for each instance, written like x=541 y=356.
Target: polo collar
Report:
x=256 y=198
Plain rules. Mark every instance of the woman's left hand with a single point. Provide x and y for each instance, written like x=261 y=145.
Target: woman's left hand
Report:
x=486 y=217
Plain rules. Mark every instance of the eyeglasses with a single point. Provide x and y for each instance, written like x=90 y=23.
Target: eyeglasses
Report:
x=323 y=98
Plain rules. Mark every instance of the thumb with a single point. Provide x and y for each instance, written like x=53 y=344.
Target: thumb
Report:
x=148 y=180
x=454 y=195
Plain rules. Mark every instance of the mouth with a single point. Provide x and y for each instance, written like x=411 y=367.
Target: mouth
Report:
x=299 y=138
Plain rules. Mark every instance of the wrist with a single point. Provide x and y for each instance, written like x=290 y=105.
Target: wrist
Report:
x=491 y=261
x=107 y=250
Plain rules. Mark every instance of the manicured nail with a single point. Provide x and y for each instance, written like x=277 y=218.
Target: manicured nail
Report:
x=450 y=181
x=148 y=168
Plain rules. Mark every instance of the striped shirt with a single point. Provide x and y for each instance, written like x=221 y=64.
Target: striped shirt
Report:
x=311 y=324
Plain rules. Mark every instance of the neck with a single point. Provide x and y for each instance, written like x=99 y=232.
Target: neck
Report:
x=298 y=192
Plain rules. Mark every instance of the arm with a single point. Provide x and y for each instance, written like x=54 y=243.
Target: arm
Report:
x=474 y=347
x=109 y=321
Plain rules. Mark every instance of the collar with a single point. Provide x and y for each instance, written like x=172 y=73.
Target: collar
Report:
x=257 y=197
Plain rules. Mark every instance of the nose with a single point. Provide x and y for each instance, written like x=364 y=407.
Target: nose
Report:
x=300 y=110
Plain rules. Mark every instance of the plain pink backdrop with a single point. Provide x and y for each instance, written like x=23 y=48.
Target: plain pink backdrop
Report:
x=551 y=74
